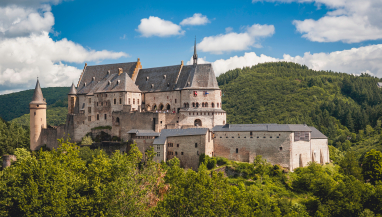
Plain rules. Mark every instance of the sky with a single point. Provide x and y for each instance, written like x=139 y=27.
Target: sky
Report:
x=53 y=39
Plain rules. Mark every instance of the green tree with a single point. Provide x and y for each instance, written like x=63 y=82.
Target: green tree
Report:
x=87 y=140
x=372 y=166
x=350 y=166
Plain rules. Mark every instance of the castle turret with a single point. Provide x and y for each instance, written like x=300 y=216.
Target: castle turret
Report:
x=72 y=99
x=195 y=56
x=37 y=117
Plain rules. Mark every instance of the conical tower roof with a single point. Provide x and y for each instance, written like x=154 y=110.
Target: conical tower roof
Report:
x=38 y=98
x=73 y=90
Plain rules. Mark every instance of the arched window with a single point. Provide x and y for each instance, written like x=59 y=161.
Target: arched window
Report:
x=193 y=104
x=217 y=105
x=197 y=105
x=198 y=123
x=212 y=105
x=155 y=107
x=117 y=120
x=168 y=107
x=161 y=107
x=185 y=105
x=202 y=104
x=206 y=104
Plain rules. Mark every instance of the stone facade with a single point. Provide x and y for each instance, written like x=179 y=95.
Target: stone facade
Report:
x=177 y=110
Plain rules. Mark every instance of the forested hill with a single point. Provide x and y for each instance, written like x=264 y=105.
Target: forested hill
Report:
x=15 y=105
x=290 y=93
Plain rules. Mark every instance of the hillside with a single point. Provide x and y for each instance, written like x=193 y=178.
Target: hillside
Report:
x=54 y=117
x=17 y=104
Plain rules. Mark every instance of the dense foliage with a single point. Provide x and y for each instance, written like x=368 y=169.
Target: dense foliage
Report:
x=12 y=136
x=17 y=104
x=54 y=117
x=61 y=183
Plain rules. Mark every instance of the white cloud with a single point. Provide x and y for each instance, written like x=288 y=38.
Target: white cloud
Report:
x=236 y=41
x=228 y=29
x=22 y=59
x=16 y=21
x=27 y=51
x=348 y=21
x=155 y=26
x=366 y=59
x=197 y=19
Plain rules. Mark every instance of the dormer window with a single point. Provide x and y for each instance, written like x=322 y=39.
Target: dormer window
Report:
x=108 y=72
x=188 y=84
x=168 y=84
x=152 y=85
x=93 y=79
x=109 y=82
x=119 y=81
x=147 y=78
x=84 y=84
x=164 y=76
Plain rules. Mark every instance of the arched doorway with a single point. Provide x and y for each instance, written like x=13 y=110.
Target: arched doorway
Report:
x=148 y=108
x=168 y=107
x=161 y=106
x=198 y=123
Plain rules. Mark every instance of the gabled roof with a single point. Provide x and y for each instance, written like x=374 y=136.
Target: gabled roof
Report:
x=316 y=134
x=262 y=127
x=157 y=79
x=178 y=132
x=201 y=76
x=93 y=75
x=37 y=98
x=115 y=82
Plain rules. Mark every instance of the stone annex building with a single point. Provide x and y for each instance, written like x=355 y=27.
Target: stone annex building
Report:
x=177 y=110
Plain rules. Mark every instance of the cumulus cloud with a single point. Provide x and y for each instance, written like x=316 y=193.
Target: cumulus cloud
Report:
x=348 y=21
x=22 y=59
x=233 y=41
x=16 y=21
x=27 y=51
x=155 y=26
x=197 y=19
x=366 y=59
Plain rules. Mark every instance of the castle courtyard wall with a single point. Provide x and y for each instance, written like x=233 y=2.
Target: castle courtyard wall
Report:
x=275 y=147
x=320 y=150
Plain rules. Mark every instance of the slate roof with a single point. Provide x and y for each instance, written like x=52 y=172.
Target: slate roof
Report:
x=100 y=75
x=37 y=98
x=178 y=132
x=143 y=132
x=168 y=78
x=162 y=78
x=316 y=134
x=262 y=127
x=73 y=90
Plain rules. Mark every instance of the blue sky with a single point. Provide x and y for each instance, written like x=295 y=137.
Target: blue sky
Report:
x=53 y=39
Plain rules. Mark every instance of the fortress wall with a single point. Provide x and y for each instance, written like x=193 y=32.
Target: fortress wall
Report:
x=220 y=118
x=226 y=143
x=190 y=157
x=163 y=98
x=320 y=146
x=303 y=149
x=190 y=117
x=49 y=138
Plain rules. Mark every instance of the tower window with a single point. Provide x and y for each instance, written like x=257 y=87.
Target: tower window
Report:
x=177 y=145
x=195 y=93
x=105 y=116
x=115 y=101
x=89 y=118
x=120 y=101
x=97 y=117
x=181 y=153
x=212 y=105
x=175 y=100
x=90 y=100
x=35 y=113
x=281 y=148
x=196 y=145
x=138 y=101
x=237 y=150
x=89 y=109
x=129 y=101
x=134 y=101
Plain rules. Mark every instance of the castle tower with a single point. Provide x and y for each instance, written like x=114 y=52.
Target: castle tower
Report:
x=195 y=56
x=37 y=117
x=72 y=99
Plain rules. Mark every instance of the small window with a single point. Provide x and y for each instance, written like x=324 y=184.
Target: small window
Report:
x=177 y=145
x=237 y=150
x=197 y=105
x=133 y=101
x=97 y=103
x=212 y=105
x=101 y=103
x=160 y=121
x=89 y=109
x=129 y=101
x=196 y=145
x=193 y=104
x=120 y=101
x=97 y=117
x=251 y=133
x=264 y=137
x=258 y=137
x=138 y=101
x=197 y=152
x=115 y=101
x=117 y=120
x=281 y=148
x=175 y=100
x=270 y=137
x=195 y=93
x=158 y=147
x=89 y=118
x=90 y=100
x=158 y=154
x=176 y=153
x=35 y=113
x=181 y=153
x=105 y=116
x=217 y=105
x=278 y=136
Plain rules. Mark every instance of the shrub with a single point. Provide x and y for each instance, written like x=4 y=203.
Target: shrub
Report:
x=87 y=140
x=211 y=163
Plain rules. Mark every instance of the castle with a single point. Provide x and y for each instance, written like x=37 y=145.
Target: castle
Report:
x=177 y=110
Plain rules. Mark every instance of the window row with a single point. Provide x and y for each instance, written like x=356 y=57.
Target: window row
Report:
x=205 y=113
x=172 y=153
x=97 y=117
x=258 y=137
x=204 y=105
x=172 y=145
x=205 y=93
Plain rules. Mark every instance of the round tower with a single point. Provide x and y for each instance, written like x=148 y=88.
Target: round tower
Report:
x=37 y=109
x=72 y=99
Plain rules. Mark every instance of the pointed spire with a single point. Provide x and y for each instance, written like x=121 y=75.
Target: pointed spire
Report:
x=73 y=90
x=195 y=57
x=38 y=98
